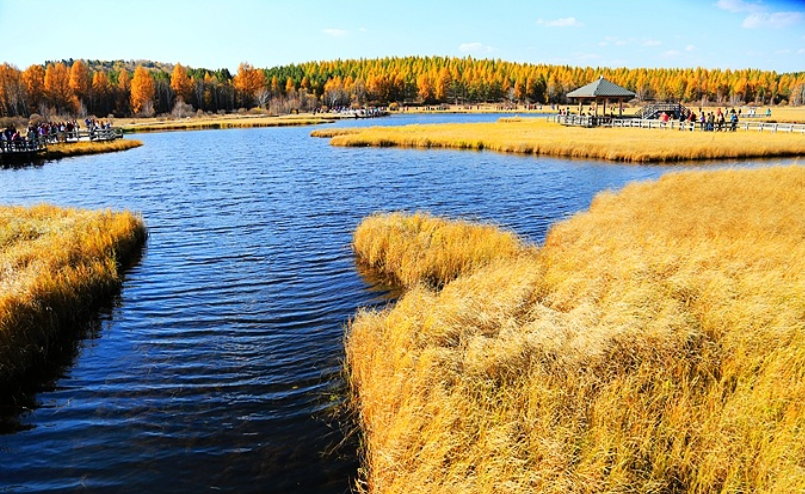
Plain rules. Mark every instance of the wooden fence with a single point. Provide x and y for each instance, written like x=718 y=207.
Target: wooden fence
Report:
x=592 y=121
x=40 y=144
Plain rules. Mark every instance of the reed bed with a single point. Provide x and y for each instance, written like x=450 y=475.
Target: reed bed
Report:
x=332 y=132
x=55 y=264
x=65 y=150
x=616 y=144
x=420 y=248
x=653 y=344
x=244 y=123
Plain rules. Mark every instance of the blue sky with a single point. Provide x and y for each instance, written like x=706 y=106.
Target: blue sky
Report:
x=764 y=34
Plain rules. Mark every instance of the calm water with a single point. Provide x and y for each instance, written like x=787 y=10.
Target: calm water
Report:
x=218 y=364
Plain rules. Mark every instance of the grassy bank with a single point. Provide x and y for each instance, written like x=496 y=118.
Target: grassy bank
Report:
x=54 y=265
x=545 y=138
x=57 y=151
x=227 y=122
x=654 y=344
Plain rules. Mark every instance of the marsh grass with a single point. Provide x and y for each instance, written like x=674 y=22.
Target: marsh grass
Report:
x=536 y=136
x=55 y=265
x=57 y=151
x=335 y=131
x=420 y=248
x=653 y=344
x=224 y=123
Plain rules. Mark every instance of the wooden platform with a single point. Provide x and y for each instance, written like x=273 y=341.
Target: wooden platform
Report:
x=644 y=123
x=32 y=149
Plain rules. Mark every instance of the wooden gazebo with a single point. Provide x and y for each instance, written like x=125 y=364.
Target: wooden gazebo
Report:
x=601 y=90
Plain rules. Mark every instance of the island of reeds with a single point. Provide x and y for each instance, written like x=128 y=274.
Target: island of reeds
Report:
x=65 y=150
x=655 y=343
x=539 y=137
x=55 y=266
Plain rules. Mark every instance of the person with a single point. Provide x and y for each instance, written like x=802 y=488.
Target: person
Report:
x=733 y=121
x=768 y=112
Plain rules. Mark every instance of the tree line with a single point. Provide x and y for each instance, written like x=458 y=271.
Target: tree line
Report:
x=77 y=87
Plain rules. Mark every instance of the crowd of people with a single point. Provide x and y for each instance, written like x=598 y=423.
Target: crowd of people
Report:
x=12 y=139
x=707 y=121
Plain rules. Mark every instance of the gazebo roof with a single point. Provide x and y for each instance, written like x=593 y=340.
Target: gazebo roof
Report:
x=601 y=88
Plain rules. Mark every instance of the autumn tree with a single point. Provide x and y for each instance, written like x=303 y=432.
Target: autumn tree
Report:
x=123 y=90
x=34 y=79
x=248 y=82
x=79 y=81
x=58 y=90
x=180 y=83
x=12 y=91
x=101 y=101
x=142 y=92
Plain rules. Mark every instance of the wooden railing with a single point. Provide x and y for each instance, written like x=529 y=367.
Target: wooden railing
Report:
x=40 y=144
x=584 y=120
x=655 y=109
x=642 y=123
x=24 y=146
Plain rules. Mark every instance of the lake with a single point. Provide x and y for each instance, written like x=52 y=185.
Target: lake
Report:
x=218 y=366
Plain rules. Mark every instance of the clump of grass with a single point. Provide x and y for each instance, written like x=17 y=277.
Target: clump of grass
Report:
x=654 y=344
x=336 y=131
x=617 y=144
x=420 y=248
x=54 y=265
x=65 y=150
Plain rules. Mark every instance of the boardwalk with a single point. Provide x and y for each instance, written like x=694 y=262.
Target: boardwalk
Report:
x=25 y=148
x=642 y=123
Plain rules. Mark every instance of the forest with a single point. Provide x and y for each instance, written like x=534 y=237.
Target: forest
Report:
x=145 y=88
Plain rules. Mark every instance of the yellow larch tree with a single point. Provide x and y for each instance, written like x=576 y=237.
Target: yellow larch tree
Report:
x=181 y=83
x=34 y=79
x=142 y=92
x=58 y=90
x=79 y=81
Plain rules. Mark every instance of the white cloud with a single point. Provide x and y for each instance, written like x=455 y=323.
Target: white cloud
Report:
x=363 y=30
x=475 y=48
x=561 y=22
x=739 y=6
x=335 y=33
x=690 y=48
x=784 y=51
x=651 y=42
x=773 y=20
x=801 y=50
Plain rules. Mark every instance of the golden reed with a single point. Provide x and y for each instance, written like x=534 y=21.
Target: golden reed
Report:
x=653 y=344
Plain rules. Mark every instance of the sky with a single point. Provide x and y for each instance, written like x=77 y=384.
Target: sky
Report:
x=762 y=34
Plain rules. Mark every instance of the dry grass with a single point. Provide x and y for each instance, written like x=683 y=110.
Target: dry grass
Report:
x=616 y=144
x=57 y=151
x=334 y=131
x=654 y=344
x=227 y=122
x=54 y=264
x=421 y=248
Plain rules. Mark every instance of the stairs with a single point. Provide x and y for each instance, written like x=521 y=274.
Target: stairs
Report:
x=653 y=110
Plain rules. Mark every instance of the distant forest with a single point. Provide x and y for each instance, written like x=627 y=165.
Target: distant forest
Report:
x=145 y=88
